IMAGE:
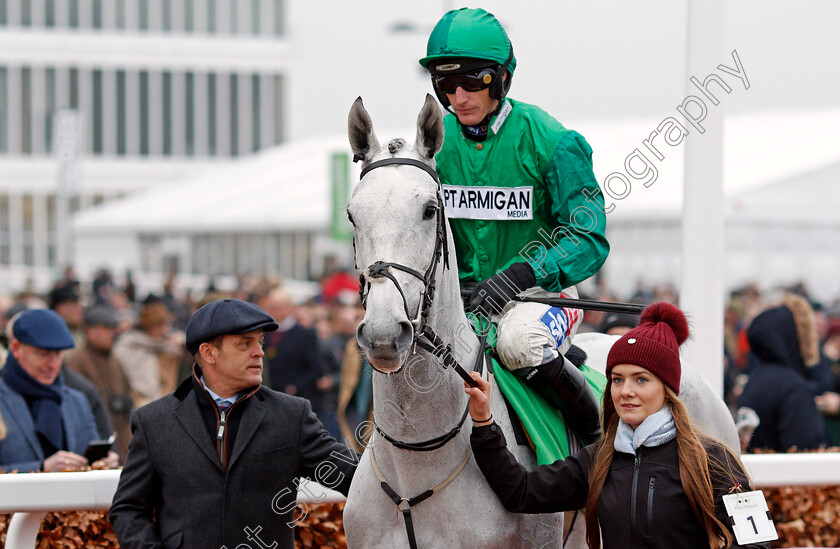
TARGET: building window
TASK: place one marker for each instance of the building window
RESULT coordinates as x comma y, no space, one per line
50,81
234,16
234,115
144,113
26,13
211,114
143,11
26,110
5,235
121,113
28,223
255,112
189,112
52,236
189,16
167,113
255,17
73,12
211,16
278,109
166,9
4,112
278,17
49,13
120,13
97,14
74,88
97,112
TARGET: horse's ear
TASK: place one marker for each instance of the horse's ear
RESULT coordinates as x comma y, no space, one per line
429,129
363,141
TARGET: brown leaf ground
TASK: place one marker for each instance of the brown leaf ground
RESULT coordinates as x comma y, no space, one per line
804,517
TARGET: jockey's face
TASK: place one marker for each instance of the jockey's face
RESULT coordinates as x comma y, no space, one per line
471,107
636,393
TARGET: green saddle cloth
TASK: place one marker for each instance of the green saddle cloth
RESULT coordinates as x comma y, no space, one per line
544,424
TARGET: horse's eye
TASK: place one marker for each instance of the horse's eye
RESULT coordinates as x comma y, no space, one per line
430,212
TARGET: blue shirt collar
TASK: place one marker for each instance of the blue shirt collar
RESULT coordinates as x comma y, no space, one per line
216,398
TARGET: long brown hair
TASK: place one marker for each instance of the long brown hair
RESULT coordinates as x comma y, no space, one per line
696,470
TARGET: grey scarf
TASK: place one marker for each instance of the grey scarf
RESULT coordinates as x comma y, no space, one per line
657,429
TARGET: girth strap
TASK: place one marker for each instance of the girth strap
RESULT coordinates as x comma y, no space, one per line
405,504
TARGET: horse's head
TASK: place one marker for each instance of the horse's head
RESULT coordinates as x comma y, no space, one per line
398,220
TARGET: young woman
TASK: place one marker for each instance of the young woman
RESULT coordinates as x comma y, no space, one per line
652,481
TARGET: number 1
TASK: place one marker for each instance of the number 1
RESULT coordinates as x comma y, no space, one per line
753,523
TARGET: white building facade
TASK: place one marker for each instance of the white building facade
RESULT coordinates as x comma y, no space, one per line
158,90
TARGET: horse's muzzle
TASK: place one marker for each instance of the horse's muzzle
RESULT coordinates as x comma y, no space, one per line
385,346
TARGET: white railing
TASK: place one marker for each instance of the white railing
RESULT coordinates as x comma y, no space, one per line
773,470
31,496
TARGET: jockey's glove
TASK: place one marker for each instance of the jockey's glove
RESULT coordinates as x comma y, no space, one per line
491,295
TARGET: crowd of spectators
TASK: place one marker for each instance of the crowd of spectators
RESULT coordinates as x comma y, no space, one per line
129,348
781,362
782,351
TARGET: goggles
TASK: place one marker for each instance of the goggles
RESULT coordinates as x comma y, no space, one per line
471,82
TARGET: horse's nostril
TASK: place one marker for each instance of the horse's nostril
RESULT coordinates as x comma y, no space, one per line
361,337
406,335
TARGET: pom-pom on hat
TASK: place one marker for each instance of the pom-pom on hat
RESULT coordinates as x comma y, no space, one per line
654,344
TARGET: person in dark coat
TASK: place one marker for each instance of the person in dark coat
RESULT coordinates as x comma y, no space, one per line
784,346
49,425
216,463
97,363
293,354
631,482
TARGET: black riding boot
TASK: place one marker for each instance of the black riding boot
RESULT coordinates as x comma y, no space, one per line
565,388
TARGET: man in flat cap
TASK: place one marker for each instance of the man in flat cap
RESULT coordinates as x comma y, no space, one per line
216,463
96,361
49,424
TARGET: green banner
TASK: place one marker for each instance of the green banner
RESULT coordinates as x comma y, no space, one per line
340,227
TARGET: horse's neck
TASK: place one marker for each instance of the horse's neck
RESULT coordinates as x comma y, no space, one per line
423,400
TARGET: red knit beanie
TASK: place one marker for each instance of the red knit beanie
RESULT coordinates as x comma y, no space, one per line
654,344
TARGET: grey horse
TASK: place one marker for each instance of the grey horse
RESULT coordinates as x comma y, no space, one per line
420,446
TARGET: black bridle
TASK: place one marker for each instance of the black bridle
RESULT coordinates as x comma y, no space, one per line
424,337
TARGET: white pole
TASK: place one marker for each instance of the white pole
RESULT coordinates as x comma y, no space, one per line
701,290
23,530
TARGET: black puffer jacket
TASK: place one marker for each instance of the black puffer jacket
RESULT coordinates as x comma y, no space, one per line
642,503
778,387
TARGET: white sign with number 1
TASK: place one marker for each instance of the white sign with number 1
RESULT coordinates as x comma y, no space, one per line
751,517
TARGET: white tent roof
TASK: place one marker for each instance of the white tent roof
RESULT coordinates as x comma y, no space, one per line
758,149
812,198
288,187
285,187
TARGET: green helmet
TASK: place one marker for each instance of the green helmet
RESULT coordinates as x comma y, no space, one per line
469,33
467,40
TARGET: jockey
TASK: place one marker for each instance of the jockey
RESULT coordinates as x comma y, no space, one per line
525,209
